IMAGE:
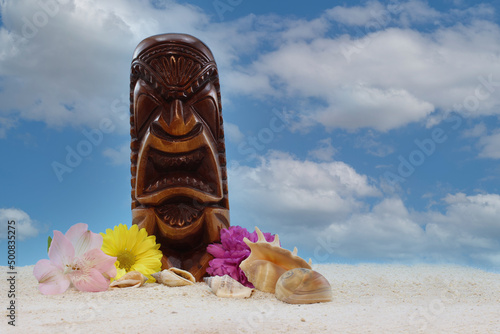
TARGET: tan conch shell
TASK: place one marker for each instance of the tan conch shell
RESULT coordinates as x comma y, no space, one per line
268,261
226,286
303,286
174,277
132,279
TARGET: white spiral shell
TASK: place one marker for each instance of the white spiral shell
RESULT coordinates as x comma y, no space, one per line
174,277
226,286
132,279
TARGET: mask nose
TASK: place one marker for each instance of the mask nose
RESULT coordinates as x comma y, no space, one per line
178,120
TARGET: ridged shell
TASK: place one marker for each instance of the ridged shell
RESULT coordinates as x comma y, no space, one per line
303,286
226,286
268,261
132,279
174,277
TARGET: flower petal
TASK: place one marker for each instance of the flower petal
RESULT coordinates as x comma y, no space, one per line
134,249
119,273
51,278
89,280
82,239
151,261
108,243
216,250
131,237
119,236
61,251
97,259
145,244
76,231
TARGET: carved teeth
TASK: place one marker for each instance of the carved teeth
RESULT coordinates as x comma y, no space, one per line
180,181
178,215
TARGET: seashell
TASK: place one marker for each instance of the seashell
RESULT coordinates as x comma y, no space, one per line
268,261
174,277
132,279
303,286
226,286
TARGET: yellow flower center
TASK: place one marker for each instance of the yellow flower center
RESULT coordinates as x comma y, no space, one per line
126,260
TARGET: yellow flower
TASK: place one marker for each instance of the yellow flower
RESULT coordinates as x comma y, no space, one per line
134,250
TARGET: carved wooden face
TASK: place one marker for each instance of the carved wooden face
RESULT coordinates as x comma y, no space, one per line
178,168
179,151
179,177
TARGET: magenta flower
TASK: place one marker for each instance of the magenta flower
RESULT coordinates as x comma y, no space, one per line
76,258
231,252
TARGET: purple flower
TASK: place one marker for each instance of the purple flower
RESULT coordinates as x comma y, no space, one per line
231,252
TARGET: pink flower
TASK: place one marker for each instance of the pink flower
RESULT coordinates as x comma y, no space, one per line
231,252
75,258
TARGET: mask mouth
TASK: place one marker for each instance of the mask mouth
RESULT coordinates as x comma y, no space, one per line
158,131
192,170
179,213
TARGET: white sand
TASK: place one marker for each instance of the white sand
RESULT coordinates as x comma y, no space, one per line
367,299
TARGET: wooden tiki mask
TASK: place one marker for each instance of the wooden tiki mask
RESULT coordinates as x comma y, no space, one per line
178,160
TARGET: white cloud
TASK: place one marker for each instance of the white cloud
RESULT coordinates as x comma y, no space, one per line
469,226
416,12
68,68
372,146
478,130
78,68
482,10
119,156
467,233
25,227
6,124
233,133
324,152
374,15
490,146
387,78
80,57
386,232
361,106
356,15
254,83
324,209
304,30
294,190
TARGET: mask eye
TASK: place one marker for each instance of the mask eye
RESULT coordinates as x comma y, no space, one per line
145,107
207,110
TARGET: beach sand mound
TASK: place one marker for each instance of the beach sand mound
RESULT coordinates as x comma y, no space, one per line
366,299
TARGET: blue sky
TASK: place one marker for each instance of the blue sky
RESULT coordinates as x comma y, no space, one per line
357,131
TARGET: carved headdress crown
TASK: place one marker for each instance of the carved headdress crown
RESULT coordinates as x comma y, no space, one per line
174,62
